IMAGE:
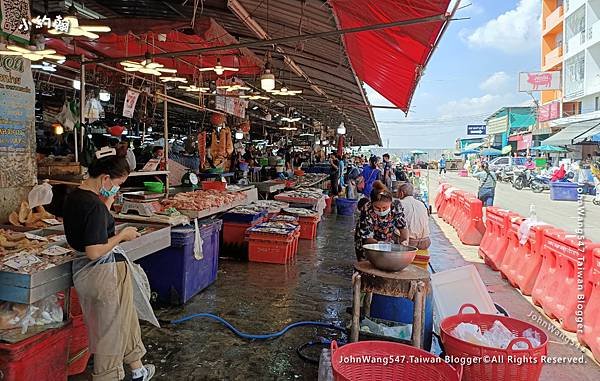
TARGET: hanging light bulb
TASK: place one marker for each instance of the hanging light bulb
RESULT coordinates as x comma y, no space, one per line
77,84
239,135
104,95
267,79
341,130
317,142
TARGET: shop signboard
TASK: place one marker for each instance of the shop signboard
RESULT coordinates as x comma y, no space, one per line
525,142
538,81
476,129
230,104
12,14
17,102
549,111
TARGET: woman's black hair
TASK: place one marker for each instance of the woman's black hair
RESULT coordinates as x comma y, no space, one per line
361,203
155,149
113,166
373,161
485,167
380,192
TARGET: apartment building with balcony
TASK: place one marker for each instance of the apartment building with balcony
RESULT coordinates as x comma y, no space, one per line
552,43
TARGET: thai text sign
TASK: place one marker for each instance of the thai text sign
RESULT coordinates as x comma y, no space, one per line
476,129
537,81
17,102
549,111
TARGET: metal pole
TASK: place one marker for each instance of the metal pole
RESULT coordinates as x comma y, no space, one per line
81,106
166,133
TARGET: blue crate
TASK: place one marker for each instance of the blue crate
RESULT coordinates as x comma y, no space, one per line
175,275
563,191
243,218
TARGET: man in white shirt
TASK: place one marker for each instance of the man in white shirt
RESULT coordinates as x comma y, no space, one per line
417,222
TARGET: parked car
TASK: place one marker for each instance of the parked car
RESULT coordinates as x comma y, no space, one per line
506,162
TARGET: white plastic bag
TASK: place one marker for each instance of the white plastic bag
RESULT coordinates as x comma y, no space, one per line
198,243
41,194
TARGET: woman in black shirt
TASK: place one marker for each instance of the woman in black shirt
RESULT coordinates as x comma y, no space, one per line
105,289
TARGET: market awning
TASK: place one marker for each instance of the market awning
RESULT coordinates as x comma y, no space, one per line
392,60
472,146
588,134
570,135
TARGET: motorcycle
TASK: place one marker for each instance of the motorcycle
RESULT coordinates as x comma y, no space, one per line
504,175
540,184
521,179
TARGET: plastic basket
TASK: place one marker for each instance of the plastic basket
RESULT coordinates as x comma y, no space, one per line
308,227
242,217
388,361
345,206
505,365
563,191
271,248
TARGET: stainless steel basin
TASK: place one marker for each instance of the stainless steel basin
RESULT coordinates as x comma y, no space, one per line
390,257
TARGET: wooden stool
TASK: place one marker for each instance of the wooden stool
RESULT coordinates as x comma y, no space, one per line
412,283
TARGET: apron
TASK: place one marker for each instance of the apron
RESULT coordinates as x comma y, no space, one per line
97,286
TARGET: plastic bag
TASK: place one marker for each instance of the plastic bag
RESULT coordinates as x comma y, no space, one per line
198,254
45,311
66,118
40,195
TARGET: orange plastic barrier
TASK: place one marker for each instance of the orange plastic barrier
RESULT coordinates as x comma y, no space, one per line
471,228
453,207
461,215
440,198
495,240
512,249
524,271
591,315
560,281
442,210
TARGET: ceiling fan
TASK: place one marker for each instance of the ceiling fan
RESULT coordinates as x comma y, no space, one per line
70,26
284,91
173,79
31,53
235,87
253,96
194,89
219,69
147,66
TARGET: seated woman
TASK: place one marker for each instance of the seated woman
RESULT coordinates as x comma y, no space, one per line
382,220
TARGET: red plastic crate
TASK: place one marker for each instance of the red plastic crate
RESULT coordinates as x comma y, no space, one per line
40,357
79,352
308,227
270,248
214,185
234,233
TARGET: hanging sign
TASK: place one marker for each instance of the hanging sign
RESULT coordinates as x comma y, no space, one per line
17,102
12,14
544,80
476,129
130,102
230,104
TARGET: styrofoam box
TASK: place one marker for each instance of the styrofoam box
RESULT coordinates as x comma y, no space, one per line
453,288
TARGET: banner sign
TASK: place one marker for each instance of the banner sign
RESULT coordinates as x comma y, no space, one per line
130,102
231,105
17,102
537,81
12,13
476,129
549,111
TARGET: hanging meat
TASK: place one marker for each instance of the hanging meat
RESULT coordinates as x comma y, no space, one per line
202,148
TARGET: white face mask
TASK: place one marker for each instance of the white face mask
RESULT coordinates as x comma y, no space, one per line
383,213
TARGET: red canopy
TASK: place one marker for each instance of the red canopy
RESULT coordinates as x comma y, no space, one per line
390,60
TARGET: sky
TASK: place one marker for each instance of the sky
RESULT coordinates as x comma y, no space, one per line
473,73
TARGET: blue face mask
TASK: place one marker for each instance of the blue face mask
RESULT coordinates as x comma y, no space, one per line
109,193
383,213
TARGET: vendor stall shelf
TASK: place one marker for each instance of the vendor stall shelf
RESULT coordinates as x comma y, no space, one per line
251,196
154,237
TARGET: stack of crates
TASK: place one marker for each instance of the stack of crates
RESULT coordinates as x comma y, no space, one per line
308,221
235,225
273,242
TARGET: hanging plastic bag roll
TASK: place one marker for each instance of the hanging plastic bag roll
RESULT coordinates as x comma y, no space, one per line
41,194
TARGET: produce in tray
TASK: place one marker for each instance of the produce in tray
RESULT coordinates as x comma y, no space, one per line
301,193
247,209
271,205
202,200
13,242
301,212
284,218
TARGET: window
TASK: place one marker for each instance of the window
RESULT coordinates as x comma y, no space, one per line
597,104
574,75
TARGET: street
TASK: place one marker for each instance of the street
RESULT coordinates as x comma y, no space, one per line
562,214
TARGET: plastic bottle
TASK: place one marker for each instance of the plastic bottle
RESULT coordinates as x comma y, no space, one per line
532,213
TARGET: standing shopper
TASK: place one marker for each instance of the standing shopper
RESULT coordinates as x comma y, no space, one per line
334,174
442,164
417,222
382,220
107,283
487,184
343,165
369,175
387,171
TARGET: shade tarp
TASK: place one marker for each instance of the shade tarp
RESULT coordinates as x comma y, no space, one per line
571,133
390,60
472,146
589,134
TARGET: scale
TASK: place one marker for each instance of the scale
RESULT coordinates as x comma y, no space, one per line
141,203
190,179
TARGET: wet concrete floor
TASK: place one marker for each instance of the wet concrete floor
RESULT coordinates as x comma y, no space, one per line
263,298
